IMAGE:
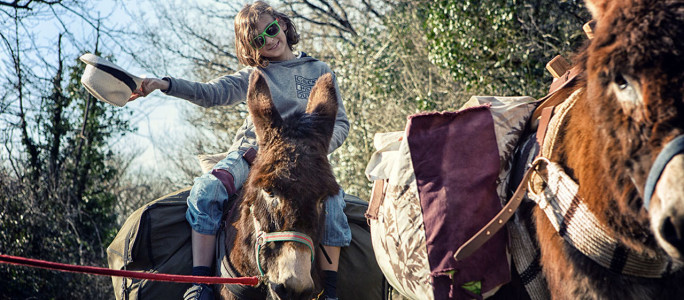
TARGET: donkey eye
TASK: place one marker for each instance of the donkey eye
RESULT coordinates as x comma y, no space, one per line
621,82
626,90
270,197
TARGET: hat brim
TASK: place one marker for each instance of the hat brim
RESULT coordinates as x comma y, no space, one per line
107,81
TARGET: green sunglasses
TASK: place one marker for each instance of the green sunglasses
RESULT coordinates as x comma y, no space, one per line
271,30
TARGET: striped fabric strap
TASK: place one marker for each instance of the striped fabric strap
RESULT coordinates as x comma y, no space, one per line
576,223
281,236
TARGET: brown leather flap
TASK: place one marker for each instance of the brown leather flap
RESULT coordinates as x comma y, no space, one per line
377,197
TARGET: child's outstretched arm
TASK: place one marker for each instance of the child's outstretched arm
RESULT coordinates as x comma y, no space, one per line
148,86
224,90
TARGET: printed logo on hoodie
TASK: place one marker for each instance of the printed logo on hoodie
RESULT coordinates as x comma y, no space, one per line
304,86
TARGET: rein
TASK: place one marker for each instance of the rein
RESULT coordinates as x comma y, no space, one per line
36,263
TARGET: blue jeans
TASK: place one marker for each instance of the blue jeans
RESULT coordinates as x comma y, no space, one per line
336,232
208,196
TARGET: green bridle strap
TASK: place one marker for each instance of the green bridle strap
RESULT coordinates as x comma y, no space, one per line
281,236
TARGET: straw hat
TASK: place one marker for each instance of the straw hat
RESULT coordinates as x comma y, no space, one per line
107,81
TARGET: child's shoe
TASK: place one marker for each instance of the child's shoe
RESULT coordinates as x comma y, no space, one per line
199,292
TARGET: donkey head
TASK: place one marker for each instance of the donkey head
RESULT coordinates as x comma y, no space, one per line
290,179
635,77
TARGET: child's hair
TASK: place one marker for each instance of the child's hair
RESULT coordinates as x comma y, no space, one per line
245,30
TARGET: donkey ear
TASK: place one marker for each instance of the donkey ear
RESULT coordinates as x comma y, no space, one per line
261,108
323,103
597,7
323,97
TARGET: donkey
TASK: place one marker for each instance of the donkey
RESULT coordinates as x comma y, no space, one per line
621,141
281,208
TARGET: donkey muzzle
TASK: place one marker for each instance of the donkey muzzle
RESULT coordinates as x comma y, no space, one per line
283,292
292,277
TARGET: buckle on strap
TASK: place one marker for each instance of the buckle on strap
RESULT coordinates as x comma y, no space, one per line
281,236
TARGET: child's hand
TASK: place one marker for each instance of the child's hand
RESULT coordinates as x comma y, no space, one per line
148,86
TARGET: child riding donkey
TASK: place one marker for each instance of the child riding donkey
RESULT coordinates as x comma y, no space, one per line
264,41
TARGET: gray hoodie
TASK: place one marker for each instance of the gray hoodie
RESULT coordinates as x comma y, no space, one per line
289,81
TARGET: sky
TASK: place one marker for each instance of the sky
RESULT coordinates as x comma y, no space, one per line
157,116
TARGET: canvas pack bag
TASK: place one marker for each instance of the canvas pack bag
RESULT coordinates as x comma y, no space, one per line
156,238
435,185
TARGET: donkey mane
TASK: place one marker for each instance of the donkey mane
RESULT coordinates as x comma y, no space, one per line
298,158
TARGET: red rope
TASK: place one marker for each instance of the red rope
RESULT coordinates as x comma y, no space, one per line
15,260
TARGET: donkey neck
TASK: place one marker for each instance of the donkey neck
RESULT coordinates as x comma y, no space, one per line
234,257
242,249
587,150
592,199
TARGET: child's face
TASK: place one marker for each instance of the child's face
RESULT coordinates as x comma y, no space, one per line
275,48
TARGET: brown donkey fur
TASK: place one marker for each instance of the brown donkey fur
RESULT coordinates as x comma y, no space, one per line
630,106
285,190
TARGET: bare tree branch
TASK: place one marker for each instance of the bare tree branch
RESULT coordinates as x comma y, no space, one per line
329,11
27,4
370,8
